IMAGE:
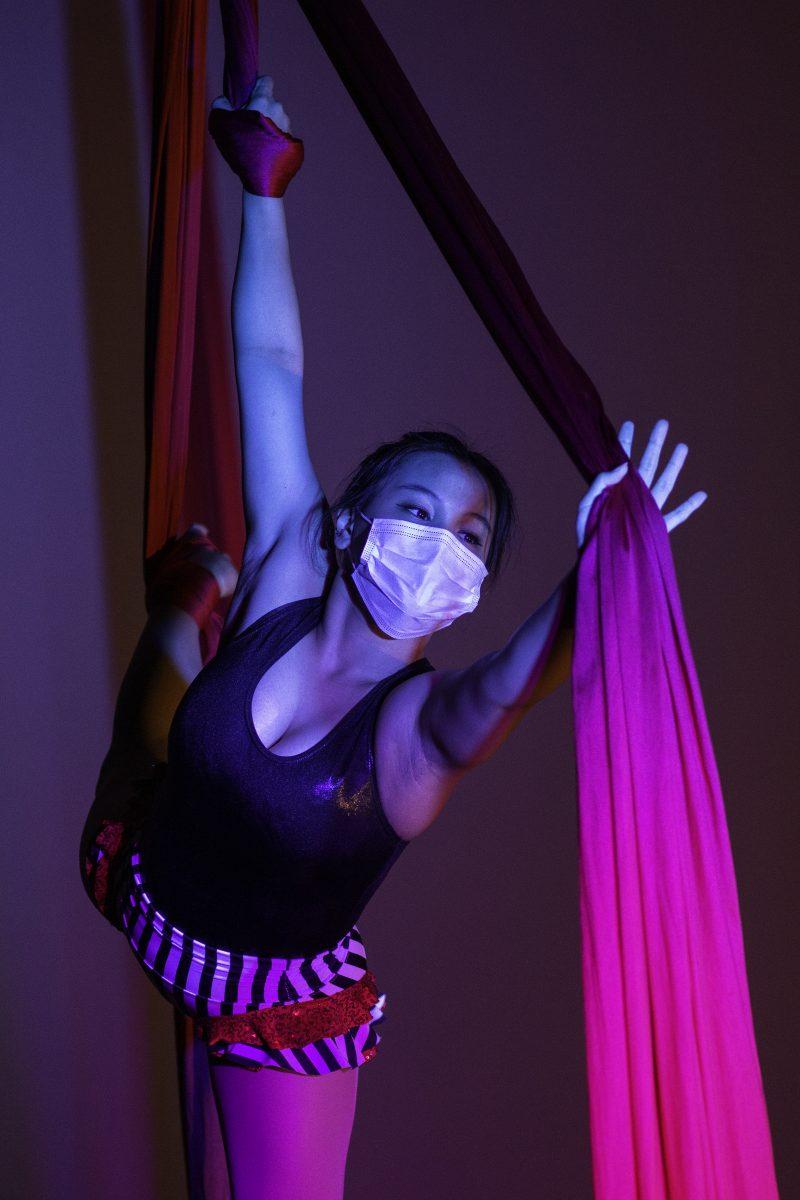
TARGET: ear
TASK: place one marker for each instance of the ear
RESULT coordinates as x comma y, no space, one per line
343,528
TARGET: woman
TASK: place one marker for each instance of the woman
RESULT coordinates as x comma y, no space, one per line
319,741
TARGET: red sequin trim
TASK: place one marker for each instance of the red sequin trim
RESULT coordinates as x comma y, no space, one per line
113,836
109,839
288,1026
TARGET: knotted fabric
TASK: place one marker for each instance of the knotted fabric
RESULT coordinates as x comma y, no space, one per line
263,156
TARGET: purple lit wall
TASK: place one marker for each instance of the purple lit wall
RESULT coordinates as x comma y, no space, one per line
640,163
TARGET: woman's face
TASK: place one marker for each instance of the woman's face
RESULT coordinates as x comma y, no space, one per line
431,488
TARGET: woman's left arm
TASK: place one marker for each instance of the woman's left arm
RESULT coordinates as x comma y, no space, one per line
467,713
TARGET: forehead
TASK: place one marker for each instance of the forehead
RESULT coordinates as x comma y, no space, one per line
455,482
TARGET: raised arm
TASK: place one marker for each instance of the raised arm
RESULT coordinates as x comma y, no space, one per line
280,488
278,479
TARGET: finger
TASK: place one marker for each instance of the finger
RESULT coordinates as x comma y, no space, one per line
280,118
600,483
666,480
263,86
647,467
679,514
221,102
603,480
625,436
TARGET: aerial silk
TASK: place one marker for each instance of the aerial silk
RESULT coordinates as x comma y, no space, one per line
677,1107
192,459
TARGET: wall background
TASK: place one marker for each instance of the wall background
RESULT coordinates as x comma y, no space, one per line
641,163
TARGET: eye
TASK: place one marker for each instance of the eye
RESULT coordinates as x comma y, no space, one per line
416,508
474,540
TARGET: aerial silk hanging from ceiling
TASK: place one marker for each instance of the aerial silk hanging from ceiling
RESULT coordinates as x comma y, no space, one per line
676,1102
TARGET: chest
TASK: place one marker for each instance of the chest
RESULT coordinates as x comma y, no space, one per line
294,704
264,725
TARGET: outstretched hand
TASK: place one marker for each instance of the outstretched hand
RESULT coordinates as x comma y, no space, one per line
647,469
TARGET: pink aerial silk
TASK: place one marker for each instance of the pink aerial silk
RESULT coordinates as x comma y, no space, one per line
676,1100
677,1108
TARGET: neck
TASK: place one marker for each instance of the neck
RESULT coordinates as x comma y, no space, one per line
346,635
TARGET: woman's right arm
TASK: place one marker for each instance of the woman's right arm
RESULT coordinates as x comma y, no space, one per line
279,481
280,487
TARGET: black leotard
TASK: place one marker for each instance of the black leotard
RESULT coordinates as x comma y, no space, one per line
259,852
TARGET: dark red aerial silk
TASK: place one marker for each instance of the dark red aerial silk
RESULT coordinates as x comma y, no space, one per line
677,1108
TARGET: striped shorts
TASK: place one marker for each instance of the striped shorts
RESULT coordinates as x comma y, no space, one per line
208,981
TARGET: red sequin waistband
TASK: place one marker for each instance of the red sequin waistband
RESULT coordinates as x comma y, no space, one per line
287,1026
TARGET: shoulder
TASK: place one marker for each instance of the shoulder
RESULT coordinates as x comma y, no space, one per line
414,783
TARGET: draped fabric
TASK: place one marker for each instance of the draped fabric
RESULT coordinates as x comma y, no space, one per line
677,1109
192,463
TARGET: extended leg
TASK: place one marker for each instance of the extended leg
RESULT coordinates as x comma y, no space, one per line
166,659
184,579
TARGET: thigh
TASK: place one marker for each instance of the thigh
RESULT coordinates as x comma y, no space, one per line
115,792
124,796
285,1135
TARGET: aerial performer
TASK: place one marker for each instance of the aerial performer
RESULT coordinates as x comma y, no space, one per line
252,802
319,741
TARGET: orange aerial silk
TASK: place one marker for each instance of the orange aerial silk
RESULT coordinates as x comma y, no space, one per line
192,456
677,1110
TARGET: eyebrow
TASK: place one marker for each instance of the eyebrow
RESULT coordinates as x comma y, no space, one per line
419,487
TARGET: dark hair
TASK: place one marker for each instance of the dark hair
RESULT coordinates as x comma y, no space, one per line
373,470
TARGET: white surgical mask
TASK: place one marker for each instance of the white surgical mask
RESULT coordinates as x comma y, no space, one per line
415,579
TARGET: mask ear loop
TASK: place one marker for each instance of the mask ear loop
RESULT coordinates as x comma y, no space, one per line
371,521
353,563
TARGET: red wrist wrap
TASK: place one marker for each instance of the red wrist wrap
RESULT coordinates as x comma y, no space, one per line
263,156
172,578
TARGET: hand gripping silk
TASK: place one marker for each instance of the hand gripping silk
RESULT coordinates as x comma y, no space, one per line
677,1108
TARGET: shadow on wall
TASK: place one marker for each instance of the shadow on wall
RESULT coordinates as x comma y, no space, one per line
101,49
